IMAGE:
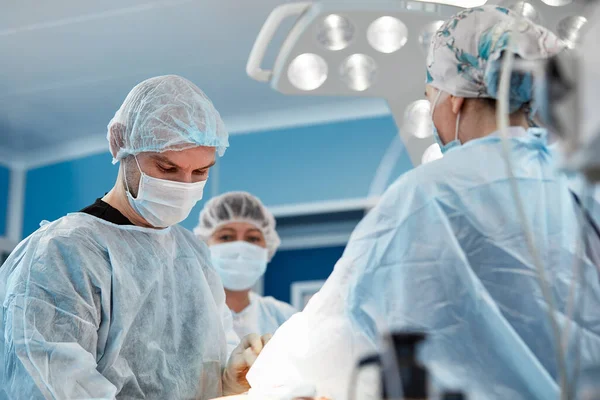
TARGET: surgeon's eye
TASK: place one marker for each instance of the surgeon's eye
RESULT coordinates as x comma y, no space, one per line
226,237
253,239
167,170
201,173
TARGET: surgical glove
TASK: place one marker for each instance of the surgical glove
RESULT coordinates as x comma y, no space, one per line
242,358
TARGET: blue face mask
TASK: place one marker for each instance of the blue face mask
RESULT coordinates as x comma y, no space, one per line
450,145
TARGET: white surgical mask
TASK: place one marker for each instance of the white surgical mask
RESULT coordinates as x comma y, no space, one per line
239,264
164,203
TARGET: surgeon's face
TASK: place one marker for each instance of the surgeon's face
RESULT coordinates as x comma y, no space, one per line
188,166
238,231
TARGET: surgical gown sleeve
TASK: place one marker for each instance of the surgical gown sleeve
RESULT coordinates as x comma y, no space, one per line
52,311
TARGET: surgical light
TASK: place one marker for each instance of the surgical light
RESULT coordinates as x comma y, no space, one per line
335,33
358,49
358,72
387,34
427,33
432,153
569,30
417,119
557,3
526,10
307,71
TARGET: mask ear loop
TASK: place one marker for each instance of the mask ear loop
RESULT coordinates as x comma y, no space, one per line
456,129
437,97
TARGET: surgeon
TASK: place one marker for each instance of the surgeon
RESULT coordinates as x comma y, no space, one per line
445,250
117,301
242,238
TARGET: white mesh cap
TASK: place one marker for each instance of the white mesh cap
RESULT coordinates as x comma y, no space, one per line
162,114
238,207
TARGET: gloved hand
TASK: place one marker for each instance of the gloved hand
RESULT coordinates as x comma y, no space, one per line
242,358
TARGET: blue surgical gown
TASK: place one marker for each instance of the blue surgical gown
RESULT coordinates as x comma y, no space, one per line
97,310
263,315
444,252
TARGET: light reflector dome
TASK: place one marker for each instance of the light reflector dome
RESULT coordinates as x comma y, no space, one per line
569,30
335,33
432,153
308,71
417,119
358,72
525,9
557,3
387,34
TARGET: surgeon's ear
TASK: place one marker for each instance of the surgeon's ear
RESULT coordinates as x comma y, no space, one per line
457,103
117,138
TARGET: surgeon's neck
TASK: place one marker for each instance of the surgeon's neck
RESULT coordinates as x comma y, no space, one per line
117,198
483,122
237,301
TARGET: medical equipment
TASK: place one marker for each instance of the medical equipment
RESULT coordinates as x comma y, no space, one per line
453,396
354,49
402,376
569,94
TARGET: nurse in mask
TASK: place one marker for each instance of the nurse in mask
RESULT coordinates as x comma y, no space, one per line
242,239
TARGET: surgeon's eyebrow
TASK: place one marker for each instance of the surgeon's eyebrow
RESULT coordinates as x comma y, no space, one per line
163,159
212,164
223,230
169,163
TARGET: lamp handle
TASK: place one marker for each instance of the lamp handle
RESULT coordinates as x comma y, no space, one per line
280,13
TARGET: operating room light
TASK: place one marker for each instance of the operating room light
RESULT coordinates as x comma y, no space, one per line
387,34
307,71
526,10
557,3
417,119
569,30
358,72
354,49
432,153
335,33
427,33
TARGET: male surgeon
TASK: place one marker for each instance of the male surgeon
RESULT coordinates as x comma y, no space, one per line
117,301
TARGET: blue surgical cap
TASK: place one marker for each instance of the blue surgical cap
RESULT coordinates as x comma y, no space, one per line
465,53
162,114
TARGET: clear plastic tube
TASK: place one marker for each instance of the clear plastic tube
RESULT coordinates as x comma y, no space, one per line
503,121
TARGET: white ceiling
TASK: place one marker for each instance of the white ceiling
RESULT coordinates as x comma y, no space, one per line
66,65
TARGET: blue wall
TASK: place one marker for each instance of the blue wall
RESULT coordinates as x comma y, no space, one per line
55,190
331,161
324,162
4,187
289,266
